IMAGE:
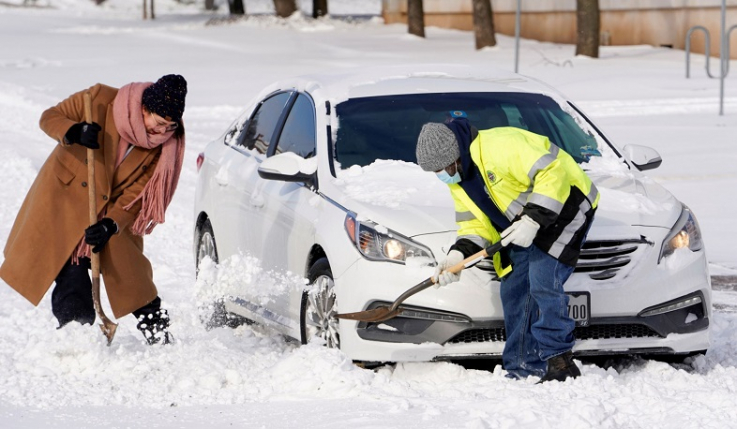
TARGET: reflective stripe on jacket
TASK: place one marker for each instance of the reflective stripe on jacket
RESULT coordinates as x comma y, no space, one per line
473,223
526,174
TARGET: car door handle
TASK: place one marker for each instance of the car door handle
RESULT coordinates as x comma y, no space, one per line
256,201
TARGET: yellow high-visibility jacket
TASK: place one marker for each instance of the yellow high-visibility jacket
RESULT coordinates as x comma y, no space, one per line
473,223
525,174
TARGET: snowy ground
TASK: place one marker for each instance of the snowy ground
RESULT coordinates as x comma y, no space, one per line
251,378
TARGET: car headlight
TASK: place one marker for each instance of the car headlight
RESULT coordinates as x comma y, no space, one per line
684,234
377,243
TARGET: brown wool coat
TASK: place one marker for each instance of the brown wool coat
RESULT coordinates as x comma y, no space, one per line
55,213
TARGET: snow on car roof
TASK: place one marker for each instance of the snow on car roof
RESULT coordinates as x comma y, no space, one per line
342,84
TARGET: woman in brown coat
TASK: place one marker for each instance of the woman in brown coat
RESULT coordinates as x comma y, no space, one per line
138,136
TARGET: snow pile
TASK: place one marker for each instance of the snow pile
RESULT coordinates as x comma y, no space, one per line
243,275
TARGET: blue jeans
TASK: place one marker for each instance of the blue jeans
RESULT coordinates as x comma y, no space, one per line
535,311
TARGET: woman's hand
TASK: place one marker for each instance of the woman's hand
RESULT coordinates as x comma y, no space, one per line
98,234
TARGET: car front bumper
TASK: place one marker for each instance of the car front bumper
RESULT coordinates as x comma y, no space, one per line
667,313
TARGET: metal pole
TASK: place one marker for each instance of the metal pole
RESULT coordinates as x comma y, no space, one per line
516,36
723,56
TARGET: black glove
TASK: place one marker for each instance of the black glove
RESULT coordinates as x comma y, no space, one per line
98,234
84,134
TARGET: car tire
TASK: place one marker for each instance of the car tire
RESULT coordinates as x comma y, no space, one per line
319,306
206,245
218,317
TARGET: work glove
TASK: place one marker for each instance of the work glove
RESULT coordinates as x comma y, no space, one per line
84,134
444,278
521,233
98,234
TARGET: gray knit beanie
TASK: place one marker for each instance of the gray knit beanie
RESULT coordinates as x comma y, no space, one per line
437,147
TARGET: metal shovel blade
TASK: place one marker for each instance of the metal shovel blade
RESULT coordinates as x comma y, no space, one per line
378,314
109,330
386,312
107,326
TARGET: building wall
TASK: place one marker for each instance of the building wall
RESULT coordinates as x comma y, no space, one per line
623,22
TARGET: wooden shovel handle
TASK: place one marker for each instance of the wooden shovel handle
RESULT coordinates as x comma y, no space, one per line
107,326
455,269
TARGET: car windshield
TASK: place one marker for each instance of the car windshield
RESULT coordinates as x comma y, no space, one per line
387,127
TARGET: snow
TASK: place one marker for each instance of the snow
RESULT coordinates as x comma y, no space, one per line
250,377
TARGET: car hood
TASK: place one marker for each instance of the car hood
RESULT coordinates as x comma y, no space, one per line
400,196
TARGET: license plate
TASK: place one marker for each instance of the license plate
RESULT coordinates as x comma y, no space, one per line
579,304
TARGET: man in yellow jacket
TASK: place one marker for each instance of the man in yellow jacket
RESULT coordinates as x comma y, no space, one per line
511,180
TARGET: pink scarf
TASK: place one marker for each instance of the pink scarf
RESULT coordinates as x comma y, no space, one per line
159,191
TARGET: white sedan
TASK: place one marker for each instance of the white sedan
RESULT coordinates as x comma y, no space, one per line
317,179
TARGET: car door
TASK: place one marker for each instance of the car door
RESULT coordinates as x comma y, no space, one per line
241,219
288,225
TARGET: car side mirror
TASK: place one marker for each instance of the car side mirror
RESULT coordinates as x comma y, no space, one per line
289,167
643,157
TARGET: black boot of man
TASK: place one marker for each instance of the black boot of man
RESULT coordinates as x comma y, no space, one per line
153,322
560,368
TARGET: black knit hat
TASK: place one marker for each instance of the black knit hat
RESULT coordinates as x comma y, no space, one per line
166,97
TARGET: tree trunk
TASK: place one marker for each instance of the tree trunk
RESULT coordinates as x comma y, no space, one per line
209,4
483,24
152,10
415,18
319,8
285,8
236,7
589,25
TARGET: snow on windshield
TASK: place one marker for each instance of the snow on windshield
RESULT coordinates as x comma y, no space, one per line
393,184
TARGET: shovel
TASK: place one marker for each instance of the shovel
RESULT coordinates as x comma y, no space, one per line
107,326
386,312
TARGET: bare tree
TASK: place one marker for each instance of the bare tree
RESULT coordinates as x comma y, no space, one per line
589,26
285,8
415,18
483,24
145,10
319,8
236,7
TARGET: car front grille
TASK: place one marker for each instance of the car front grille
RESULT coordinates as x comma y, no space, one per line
592,332
601,260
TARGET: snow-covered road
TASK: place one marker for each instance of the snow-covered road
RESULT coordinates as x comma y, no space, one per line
251,378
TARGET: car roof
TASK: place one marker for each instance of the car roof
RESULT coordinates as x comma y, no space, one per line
342,84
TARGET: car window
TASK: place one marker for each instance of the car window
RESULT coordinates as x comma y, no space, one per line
260,128
387,127
569,139
298,134
514,117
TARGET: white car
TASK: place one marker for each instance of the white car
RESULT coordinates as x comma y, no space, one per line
317,179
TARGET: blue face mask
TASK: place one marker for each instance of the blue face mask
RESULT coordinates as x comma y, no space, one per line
447,178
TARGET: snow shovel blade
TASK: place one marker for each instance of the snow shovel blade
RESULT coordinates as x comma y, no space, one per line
109,330
108,327
378,314
386,312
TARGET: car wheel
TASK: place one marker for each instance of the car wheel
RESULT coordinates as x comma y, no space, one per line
206,245
216,316
319,306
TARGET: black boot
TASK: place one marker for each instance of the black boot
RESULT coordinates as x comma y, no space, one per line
153,322
560,368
